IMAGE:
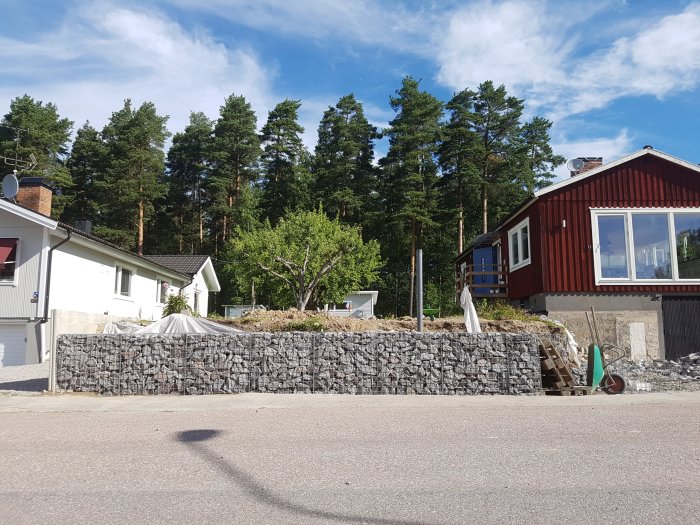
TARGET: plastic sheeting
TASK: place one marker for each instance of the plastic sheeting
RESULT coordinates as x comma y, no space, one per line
471,321
120,327
185,324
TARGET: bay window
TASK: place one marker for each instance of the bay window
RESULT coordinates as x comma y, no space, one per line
646,245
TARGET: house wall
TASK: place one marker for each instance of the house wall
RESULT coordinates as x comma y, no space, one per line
632,321
18,301
567,252
527,280
83,281
198,286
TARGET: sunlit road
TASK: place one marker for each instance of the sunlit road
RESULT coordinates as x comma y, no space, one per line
340,459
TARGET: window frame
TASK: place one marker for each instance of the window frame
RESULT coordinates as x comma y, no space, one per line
14,280
632,279
516,231
118,278
160,295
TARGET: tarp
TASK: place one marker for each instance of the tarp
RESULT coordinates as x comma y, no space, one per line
185,324
120,327
471,321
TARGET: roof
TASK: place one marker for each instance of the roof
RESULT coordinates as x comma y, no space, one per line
578,178
42,220
187,264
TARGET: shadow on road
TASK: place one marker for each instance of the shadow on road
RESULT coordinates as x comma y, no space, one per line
194,439
28,385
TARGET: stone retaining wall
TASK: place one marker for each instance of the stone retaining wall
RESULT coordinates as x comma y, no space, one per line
290,362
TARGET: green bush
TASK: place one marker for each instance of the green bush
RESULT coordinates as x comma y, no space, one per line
310,324
176,304
499,310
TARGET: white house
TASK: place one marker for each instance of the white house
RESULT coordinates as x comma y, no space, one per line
56,279
201,272
357,304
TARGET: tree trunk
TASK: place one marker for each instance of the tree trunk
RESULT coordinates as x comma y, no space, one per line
139,244
484,205
460,230
413,265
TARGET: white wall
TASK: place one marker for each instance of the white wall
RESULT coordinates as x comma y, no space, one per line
199,287
83,281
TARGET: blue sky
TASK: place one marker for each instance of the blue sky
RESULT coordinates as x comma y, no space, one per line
611,75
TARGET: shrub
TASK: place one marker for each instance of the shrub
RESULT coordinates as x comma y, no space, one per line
310,324
176,304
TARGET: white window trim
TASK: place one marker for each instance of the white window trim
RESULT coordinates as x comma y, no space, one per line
629,236
117,267
516,231
15,279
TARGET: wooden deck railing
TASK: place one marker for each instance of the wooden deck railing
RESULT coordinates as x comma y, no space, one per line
495,275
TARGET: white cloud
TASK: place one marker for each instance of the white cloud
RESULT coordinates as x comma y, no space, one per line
544,54
104,54
610,148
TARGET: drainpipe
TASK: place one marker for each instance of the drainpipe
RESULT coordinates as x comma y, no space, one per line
45,319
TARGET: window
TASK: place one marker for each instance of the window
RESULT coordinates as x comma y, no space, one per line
519,242
8,260
196,302
122,281
636,245
162,291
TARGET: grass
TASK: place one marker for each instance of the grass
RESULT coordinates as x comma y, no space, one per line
310,324
501,310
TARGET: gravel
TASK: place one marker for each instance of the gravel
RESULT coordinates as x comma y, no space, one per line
25,379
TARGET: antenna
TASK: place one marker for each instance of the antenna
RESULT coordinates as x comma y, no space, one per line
17,163
575,165
10,186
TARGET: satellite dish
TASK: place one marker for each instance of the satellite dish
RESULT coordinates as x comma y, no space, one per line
10,186
575,165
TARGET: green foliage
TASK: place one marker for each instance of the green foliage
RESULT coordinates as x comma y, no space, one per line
134,140
346,180
86,164
310,324
181,228
286,175
499,310
234,154
306,257
43,133
176,304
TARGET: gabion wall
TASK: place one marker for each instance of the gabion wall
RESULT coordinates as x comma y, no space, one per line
290,362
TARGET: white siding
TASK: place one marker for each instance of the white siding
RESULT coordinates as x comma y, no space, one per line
16,299
199,287
83,281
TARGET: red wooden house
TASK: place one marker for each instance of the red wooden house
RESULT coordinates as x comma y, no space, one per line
622,237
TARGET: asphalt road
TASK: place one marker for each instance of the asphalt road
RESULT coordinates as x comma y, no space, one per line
299,459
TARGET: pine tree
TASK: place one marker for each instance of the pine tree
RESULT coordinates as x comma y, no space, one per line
134,141
286,178
186,174
86,164
34,128
410,169
234,154
346,180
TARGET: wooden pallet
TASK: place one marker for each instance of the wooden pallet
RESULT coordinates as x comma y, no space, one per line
568,391
556,375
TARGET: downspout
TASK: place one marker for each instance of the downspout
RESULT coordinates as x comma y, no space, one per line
45,319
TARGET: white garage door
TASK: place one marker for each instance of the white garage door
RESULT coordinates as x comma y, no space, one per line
13,345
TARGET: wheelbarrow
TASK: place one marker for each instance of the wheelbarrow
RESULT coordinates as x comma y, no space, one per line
598,374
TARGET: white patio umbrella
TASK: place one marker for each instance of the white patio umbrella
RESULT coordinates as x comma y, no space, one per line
471,321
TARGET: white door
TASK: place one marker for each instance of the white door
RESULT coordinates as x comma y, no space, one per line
13,344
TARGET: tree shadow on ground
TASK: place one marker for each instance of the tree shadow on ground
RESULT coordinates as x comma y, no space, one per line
194,439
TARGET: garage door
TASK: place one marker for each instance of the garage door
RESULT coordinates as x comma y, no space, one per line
13,344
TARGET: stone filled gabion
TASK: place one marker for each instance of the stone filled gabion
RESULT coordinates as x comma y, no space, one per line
291,362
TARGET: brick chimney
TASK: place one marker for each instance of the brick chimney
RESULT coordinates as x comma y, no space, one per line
35,193
588,163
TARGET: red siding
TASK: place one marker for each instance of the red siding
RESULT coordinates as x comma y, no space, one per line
527,280
562,258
